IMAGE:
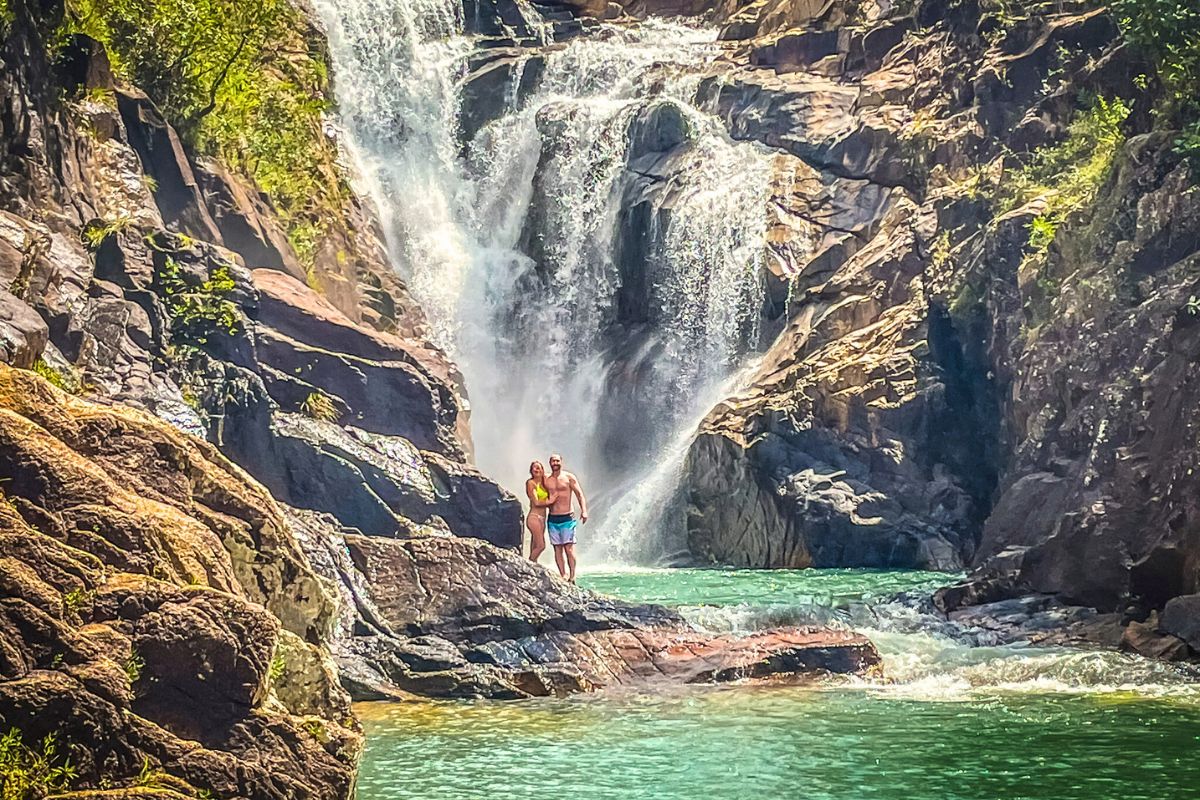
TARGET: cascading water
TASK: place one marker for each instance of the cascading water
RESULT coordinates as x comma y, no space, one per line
592,257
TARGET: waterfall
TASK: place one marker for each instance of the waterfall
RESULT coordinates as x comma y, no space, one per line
592,257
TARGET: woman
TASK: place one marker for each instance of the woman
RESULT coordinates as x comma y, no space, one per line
540,500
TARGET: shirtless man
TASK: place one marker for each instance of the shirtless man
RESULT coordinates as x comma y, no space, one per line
563,487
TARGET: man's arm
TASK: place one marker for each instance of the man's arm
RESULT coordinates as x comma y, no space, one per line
578,490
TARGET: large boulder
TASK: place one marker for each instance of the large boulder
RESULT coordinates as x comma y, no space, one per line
1181,618
449,617
145,583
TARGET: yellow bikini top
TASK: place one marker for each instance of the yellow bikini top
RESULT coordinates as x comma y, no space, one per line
540,492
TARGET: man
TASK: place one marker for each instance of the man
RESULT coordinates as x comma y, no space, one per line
560,525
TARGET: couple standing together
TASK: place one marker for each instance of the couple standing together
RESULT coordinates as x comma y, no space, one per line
551,499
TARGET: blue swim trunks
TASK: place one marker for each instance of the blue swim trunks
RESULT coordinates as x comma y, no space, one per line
561,528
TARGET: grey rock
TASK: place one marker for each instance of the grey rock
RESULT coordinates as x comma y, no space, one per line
1181,618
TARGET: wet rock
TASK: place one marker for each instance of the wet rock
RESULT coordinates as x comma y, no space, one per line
1181,618
1145,638
450,617
497,86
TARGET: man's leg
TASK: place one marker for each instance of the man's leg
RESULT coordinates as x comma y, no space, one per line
558,559
570,551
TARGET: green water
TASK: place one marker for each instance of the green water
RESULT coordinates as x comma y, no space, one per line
949,722
760,588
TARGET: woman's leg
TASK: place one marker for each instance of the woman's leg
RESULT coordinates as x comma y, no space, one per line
537,536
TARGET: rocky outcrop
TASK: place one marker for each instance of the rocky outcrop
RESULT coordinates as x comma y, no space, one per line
949,391
872,433
451,617
133,294
155,602
157,614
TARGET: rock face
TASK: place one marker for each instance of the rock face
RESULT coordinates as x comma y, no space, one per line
157,613
302,389
451,617
148,587
948,391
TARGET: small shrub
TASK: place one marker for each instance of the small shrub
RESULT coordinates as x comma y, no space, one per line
316,729
75,600
1041,233
149,777
32,772
201,310
318,405
96,232
1068,175
278,667
7,18
133,667
67,381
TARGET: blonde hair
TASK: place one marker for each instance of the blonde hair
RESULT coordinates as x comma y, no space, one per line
533,464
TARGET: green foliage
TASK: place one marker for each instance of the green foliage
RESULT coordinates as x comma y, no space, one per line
97,231
1067,176
1168,31
1041,232
238,80
150,777
278,667
67,381
27,773
1188,146
197,311
75,600
7,18
133,667
316,729
318,405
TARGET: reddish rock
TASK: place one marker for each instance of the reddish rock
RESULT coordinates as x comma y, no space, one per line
447,617
1144,638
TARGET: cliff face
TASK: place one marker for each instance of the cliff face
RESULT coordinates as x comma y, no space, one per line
994,372
161,621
